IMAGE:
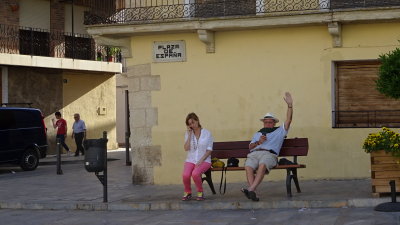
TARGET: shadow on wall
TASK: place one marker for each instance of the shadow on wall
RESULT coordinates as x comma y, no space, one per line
51,89
42,87
98,128
69,92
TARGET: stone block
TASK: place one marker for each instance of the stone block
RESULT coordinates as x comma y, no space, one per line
150,83
139,70
133,84
138,118
152,155
147,156
151,117
142,175
140,137
141,99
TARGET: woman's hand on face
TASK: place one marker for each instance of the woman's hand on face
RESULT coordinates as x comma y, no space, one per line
189,129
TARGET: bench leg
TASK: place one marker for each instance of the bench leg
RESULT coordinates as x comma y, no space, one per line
288,182
209,180
296,181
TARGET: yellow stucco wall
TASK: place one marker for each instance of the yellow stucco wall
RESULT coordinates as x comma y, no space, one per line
247,77
83,94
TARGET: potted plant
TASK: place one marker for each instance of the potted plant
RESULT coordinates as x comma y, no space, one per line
99,56
384,149
111,53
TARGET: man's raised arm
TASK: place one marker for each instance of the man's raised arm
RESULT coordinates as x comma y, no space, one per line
289,101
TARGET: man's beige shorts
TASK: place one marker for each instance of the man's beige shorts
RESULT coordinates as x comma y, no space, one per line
254,159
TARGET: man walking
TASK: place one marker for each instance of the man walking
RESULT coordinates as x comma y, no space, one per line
79,133
61,126
265,147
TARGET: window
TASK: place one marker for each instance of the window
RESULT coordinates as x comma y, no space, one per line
78,48
33,42
7,120
357,103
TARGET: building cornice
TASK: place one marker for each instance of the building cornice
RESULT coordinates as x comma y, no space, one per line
332,19
247,23
59,63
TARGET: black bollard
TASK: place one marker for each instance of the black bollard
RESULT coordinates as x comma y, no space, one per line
127,129
59,170
105,192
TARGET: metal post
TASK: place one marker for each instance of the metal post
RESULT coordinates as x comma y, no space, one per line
392,184
72,28
127,128
31,41
105,197
59,170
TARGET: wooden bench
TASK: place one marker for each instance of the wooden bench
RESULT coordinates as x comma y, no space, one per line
239,149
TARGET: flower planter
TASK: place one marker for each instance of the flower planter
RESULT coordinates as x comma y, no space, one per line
384,167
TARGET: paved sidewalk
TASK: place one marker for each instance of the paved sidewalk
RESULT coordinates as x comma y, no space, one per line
78,189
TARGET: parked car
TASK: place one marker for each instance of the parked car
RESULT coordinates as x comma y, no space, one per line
23,136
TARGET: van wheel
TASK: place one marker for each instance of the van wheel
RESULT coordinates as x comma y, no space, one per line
29,160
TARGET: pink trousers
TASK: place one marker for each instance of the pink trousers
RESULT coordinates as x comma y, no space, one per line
190,170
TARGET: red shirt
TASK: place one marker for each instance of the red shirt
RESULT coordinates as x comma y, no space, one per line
61,124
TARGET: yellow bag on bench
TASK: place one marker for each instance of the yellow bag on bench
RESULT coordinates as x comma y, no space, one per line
216,163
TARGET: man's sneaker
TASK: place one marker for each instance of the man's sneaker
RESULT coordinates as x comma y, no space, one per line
200,196
186,196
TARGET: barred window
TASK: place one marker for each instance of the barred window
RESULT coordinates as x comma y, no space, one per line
34,42
357,103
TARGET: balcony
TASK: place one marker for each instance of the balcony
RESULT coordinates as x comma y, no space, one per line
152,11
53,43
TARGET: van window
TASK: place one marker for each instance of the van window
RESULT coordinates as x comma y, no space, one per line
27,118
7,120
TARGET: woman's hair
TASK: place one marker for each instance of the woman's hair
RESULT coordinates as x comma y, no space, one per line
192,116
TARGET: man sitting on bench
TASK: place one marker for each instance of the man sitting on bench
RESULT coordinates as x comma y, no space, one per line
265,147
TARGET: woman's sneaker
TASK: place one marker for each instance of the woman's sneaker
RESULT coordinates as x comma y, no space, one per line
200,196
186,196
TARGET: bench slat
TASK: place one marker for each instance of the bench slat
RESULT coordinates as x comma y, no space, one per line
293,151
240,149
230,145
295,142
276,167
226,154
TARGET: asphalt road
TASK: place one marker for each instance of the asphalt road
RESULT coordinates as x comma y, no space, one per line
324,216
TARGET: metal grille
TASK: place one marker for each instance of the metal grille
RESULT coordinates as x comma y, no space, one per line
139,11
53,43
363,119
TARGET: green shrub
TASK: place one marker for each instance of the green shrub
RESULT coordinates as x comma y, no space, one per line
388,82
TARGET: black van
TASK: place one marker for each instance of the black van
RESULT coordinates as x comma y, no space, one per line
23,137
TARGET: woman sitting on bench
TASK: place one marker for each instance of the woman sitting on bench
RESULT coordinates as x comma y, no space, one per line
198,144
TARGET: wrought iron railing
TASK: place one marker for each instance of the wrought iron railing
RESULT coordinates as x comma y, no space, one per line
139,11
363,119
53,43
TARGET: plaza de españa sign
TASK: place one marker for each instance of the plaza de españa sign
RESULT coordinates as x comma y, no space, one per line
169,51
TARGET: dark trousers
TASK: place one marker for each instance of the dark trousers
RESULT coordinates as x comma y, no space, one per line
79,143
62,141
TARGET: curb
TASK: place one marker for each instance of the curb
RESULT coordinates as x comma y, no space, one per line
147,206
